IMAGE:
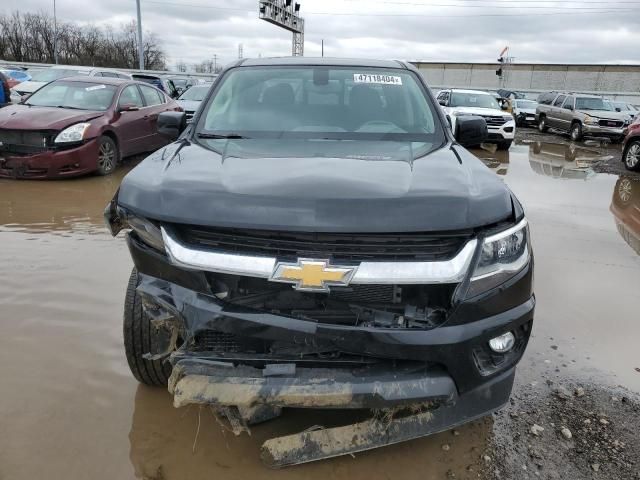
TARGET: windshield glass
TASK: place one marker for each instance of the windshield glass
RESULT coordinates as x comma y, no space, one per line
74,95
331,103
195,94
587,103
526,104
477,100
52,74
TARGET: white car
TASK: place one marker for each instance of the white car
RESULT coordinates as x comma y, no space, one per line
42,77
501,124
524,111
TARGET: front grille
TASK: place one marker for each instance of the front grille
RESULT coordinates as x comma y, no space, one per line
494,121
25,142
611,123
346,247
214,341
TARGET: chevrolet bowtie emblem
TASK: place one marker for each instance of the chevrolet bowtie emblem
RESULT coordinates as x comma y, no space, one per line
312,275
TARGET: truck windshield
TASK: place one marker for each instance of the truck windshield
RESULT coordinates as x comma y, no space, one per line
331,103
587,103
477,100
195,94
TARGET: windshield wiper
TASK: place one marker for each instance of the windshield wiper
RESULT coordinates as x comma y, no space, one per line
72,108
232,136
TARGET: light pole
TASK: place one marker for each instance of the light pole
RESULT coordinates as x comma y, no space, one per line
55,34
140,46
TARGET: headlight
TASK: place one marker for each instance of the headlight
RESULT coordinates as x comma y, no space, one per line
590,120
148,232
503,256
73,134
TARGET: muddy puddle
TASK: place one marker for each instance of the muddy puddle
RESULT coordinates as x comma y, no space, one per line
70,409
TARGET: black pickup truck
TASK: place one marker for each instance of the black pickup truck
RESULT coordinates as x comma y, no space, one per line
317,238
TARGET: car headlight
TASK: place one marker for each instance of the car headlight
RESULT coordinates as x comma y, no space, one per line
590,120
503,255
148,231
73,134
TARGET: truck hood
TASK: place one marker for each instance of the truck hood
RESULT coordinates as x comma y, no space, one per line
605,114
306,186
24,117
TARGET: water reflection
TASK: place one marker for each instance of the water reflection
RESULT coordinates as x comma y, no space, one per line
497,161
561,160
625,206
168,443
61,206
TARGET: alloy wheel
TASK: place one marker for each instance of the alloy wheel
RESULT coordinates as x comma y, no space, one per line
633,155
107,156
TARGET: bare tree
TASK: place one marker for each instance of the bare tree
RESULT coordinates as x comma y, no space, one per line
30,37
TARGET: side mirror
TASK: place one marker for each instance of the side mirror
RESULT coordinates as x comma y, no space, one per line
171,124
442,102
128,107
24,97
471,130
618,109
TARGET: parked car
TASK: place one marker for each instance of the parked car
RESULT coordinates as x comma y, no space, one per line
80,125
42,77
160,82
524,112
580,115
4,90
191,99
631,147
182,84
501,125
15,77
626,108
318,238
625,207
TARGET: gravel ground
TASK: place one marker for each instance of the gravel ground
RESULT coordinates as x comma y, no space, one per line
566,431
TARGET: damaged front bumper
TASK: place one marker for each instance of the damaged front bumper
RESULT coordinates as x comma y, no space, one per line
240,360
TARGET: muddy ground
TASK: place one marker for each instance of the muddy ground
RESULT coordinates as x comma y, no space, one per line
70,409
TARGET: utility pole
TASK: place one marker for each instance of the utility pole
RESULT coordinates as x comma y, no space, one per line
240,51
323,47
215,63
55,34
285,14
140,46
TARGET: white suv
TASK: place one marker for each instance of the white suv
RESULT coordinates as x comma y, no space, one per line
501,125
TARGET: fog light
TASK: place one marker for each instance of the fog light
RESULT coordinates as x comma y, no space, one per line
503,343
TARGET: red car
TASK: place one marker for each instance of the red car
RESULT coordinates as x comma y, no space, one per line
75,126
631,148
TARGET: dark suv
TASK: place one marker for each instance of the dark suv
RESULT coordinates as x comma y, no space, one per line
317,238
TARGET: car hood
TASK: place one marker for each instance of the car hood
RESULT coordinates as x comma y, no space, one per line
605,114
28,87
24,117
478,111
528,111
189,105
306,186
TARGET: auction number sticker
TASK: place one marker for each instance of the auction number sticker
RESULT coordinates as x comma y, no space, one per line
95,87
378,79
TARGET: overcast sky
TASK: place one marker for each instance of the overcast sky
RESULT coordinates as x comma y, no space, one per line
430,30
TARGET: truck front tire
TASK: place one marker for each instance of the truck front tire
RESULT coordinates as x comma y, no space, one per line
140,337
